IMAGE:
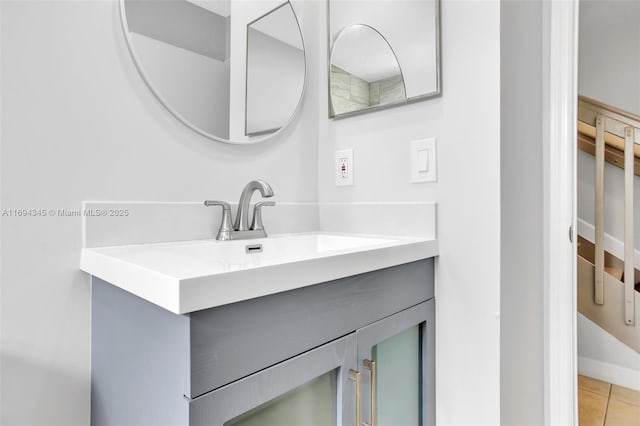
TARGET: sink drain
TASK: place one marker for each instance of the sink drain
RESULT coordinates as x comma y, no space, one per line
253,248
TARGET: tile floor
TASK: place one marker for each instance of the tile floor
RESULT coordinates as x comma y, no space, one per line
603,404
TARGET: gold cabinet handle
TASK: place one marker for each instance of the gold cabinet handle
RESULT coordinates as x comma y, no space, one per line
371,366
355,376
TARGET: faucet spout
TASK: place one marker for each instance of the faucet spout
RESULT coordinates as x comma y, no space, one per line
242,217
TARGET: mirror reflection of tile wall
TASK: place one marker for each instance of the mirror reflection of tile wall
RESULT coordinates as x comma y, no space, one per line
350,93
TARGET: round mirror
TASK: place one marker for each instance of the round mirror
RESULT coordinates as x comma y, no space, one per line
364,73
232,70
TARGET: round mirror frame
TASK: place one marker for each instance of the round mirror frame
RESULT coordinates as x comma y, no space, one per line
176,114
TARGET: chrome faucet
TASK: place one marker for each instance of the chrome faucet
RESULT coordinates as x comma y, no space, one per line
241,229
242,217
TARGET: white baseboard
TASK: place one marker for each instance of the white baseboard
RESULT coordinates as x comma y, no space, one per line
611,373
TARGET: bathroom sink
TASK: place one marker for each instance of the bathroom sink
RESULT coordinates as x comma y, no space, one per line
188,276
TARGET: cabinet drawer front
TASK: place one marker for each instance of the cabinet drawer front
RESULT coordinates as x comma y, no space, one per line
234,341
252,393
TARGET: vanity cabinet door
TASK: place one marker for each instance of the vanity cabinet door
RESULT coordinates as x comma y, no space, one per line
396,359
311,389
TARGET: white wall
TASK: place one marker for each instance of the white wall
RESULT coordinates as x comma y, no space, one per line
466,123
609,52
609,71
78,123
521,293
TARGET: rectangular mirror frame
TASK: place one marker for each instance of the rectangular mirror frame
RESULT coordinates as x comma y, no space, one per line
434,94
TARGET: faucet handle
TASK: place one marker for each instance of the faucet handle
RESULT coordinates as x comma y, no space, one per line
224,233
224,204
256,224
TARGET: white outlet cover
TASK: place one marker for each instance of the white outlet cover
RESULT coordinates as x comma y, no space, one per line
343,165
423,160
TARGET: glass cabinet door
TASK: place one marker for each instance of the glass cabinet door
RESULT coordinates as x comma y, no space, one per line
396,359
311,389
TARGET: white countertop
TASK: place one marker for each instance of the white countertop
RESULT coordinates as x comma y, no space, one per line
188,276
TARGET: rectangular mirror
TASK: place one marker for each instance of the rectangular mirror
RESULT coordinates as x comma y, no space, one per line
382,54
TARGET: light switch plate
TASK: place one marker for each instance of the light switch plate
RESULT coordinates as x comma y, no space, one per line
344,167
423,160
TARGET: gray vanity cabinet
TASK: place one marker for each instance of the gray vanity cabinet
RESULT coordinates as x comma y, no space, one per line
306,353
321,387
